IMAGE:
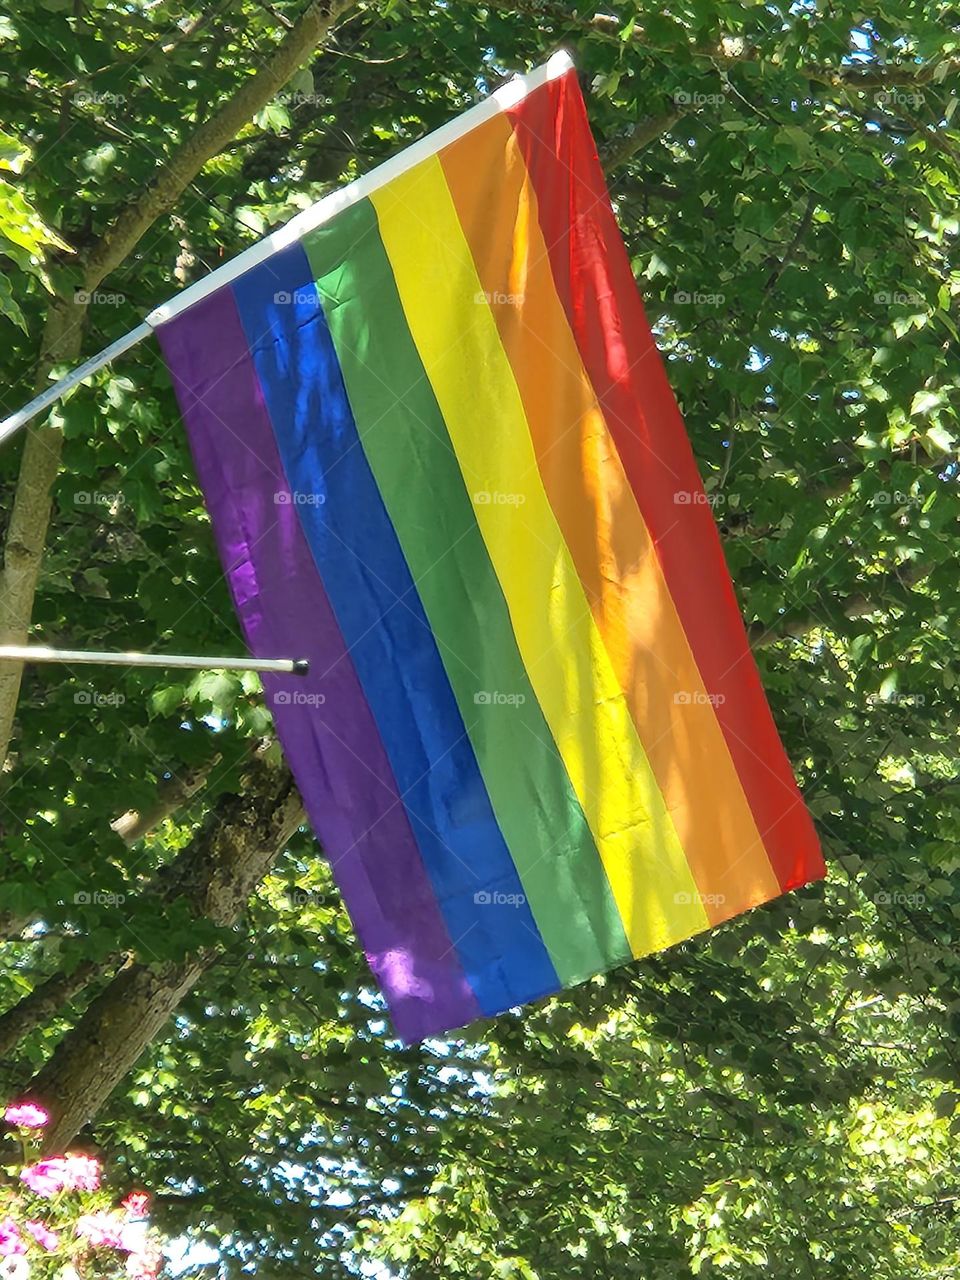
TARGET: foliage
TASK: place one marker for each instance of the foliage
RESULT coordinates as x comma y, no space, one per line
777,1097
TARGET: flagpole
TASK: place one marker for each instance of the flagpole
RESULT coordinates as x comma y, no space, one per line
502,99
39,653
73,379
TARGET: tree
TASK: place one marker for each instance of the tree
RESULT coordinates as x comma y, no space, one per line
779,1095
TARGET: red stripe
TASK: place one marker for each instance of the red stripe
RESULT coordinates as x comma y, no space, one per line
595,282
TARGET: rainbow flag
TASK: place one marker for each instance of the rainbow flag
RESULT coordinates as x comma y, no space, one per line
443,462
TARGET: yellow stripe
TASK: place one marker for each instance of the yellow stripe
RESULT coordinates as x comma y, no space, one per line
562,649
605,531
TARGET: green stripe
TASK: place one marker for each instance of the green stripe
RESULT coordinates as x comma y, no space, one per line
405,439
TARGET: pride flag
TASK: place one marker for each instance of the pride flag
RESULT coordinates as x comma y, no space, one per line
443,462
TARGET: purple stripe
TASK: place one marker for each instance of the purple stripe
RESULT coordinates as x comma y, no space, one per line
323,721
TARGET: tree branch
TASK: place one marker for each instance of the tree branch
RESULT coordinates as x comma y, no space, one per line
179,171
171,796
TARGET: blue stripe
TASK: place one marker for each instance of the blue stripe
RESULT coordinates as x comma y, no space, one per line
379,611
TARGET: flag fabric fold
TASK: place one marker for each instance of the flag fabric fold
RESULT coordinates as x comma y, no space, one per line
443,462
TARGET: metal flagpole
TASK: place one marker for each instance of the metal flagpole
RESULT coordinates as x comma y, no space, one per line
501,100
38,653
73,379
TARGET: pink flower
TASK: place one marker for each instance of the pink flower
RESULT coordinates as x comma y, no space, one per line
27,1115
101,1229
76,1173
46,1177
11,1241
137,1204
83,1172
43,1235
146,1265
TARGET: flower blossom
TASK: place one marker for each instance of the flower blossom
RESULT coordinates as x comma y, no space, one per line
101,1229
137,1204
26,1115
43,1235
45,1178
11,1241
146,1265
83,1172
75,1173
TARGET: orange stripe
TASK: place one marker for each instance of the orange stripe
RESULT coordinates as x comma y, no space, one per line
605,531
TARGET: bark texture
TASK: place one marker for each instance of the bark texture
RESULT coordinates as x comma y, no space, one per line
236,846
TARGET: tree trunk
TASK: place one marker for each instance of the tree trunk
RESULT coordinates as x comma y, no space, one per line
236,846
27,530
